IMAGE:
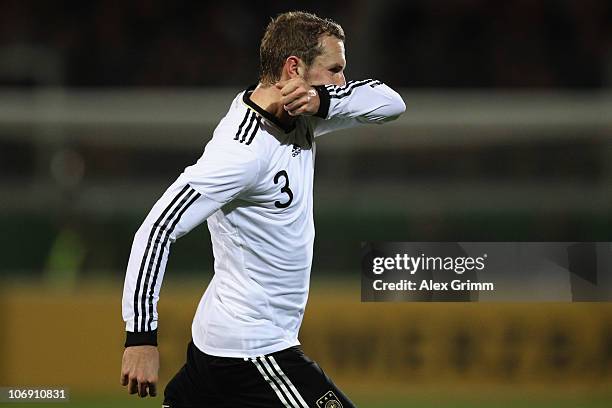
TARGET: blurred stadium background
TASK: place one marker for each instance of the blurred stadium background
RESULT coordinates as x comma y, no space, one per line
507,136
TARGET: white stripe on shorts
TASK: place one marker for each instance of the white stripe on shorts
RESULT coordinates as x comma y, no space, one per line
280,382
272,383
288,382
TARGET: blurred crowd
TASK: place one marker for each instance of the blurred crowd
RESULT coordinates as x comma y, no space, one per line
418,43
82,174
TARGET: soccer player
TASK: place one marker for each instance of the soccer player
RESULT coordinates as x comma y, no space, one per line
253,185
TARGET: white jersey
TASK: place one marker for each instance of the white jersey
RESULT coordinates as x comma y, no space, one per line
253,185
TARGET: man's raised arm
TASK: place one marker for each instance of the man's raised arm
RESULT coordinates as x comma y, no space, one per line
334,107
357,102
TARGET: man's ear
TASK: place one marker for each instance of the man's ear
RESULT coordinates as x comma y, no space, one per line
293,67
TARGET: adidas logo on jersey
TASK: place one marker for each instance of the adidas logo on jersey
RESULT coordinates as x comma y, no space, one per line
296,150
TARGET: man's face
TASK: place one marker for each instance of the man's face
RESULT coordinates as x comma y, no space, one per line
328,68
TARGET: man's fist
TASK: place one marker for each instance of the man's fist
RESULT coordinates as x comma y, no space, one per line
298,98
139,370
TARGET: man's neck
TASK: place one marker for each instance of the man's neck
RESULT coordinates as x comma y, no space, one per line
268,97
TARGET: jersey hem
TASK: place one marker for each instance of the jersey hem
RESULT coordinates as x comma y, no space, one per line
217,352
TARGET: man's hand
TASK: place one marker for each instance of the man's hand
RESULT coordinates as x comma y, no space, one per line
139,370
298,98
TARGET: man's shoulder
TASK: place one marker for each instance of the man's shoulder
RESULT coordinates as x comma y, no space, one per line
242,128
225,159
234,113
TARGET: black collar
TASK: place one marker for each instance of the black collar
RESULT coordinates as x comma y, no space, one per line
247,99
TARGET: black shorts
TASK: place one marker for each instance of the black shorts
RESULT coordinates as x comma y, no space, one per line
285,379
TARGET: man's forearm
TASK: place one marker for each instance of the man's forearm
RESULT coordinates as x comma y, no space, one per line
369,100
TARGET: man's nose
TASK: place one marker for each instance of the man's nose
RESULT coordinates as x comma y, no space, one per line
340,80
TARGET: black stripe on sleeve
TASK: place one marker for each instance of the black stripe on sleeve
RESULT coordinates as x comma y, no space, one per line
336,90
248,128
146,252
162,229
161,254
254,132
346,93
246,115
375,83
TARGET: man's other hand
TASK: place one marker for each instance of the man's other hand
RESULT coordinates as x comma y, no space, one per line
139,370
298,98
